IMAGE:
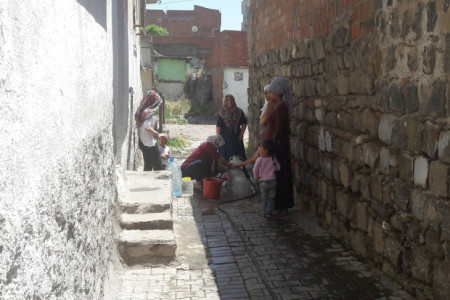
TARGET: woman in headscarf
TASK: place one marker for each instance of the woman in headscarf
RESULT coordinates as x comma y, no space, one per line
274,124
231,125
277,122
204,161
146,123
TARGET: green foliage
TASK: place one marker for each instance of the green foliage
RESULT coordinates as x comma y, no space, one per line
177,144
178,108
156,30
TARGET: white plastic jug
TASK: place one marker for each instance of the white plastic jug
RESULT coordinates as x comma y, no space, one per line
235,159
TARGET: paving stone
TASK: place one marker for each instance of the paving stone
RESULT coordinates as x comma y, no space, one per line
250,258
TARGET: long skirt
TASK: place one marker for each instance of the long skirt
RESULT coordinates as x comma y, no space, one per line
285,195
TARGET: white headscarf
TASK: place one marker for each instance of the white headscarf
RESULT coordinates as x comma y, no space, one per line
263,109
216,140
279,86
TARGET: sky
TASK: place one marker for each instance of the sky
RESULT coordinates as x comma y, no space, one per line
229,9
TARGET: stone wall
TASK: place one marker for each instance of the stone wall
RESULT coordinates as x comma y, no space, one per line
370,131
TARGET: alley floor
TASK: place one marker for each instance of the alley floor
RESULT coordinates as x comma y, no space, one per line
229,251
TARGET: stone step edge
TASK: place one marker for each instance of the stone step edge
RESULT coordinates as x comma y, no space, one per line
160,220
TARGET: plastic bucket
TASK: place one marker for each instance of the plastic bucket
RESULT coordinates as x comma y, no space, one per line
211,187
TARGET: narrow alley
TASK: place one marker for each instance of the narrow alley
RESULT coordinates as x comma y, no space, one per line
229,251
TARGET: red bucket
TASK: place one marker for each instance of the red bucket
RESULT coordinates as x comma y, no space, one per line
212,187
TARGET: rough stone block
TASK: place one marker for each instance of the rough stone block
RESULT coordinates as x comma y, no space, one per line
371,153
331,196
386,127
331,119
439,212
379,240
400,196
406,164
444,146
419,204
349,151
421,263
376,187
421,165
343,203
437,100
318,48
343,84
439,179
430,139
392,251
345,120
319,115
336,164
370,122
345,174
385,156
429,59
327,167
410,98
433,243
361,215
321,138
358,242
441,282
364,187
414,129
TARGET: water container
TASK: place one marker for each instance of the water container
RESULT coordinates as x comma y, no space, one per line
174,167
187,187
235,159
238,186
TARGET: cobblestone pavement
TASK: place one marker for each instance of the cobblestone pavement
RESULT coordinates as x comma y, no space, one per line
228,251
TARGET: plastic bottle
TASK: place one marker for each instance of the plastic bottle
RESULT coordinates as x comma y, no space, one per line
174,167
187,188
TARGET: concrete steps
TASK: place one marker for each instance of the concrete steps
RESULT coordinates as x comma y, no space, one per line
146,218
147,246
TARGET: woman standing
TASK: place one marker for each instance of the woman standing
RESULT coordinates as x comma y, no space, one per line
146,123
277,123
231,125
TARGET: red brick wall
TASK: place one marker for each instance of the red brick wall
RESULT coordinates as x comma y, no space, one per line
180,22
230,50
300,20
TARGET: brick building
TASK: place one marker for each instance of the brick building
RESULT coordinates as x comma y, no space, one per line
370,131
195,41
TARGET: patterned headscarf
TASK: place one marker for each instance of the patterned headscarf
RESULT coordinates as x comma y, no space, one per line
147,108
216,140
230,115
279,86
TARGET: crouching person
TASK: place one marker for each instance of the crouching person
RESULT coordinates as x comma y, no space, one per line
205,161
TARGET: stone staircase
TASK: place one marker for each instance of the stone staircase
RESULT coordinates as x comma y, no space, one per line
146,218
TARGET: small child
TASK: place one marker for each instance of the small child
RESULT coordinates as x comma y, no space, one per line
164,150
264,172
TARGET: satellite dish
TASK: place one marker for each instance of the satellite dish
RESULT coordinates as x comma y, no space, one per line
194,28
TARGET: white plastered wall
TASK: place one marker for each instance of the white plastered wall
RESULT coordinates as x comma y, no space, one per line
57,175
